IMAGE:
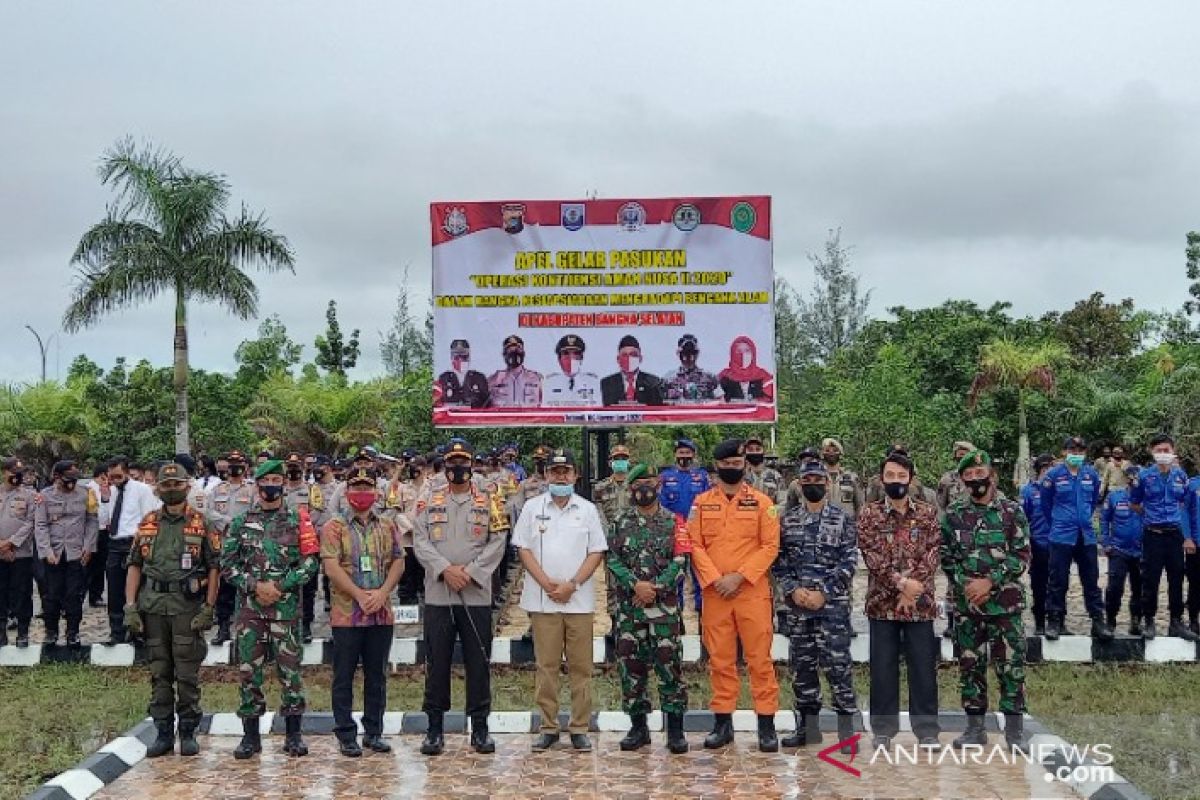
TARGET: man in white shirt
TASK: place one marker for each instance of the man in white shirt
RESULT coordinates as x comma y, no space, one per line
561,540
131,502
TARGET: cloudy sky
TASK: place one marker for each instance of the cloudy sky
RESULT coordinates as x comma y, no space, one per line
1029,152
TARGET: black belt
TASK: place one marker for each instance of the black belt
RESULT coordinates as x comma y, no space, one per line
166,587
124,542
1169,528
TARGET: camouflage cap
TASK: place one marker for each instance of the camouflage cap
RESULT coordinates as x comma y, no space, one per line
975,458
618,450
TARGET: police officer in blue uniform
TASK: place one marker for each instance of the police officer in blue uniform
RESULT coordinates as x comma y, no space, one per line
1070,493
1121,532
1160,492
680,486
1039,539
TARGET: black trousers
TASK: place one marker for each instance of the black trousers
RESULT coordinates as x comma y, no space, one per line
1120,566
97,568
309,598
1162,550
16,593
226,598
65,585
1039,573
368,646
472,625
1191,570
412,582
920,648
115,572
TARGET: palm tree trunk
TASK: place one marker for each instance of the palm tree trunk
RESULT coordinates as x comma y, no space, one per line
182,437
1021,469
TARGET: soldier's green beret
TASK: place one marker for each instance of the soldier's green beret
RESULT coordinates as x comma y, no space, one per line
272,466
975,458
642,471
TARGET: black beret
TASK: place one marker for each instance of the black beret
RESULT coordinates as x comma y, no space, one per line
729,448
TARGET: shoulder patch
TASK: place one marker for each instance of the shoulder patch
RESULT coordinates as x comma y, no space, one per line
773,511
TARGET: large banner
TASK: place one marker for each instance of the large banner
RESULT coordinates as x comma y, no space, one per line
603,312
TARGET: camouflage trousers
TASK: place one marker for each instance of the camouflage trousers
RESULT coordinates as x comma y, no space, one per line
645,646
822,643
256,638
1005,636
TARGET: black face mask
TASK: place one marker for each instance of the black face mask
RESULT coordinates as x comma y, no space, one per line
730,475
813,492
979,487
895,489
318,474
237,472
832,458
69,484
539,466
644,496
414,472
684,462
514,360
223,474
755,459
458,474
295,475
14,480
270,494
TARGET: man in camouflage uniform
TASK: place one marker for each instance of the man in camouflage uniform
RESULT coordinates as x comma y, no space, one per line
170,590
269,554
985,551
644,565
818,553
611,495
845,489
689,383
765,479
231,498
950,488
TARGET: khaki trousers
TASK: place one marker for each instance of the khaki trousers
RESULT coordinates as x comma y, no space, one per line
556,635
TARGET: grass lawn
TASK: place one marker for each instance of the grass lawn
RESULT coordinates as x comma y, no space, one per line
53,716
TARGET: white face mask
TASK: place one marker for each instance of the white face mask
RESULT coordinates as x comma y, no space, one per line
745,359
634,363
1164,459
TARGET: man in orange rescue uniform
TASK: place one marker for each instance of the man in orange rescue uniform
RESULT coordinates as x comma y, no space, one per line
733,530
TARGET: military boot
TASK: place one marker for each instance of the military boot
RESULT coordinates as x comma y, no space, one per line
164,742
222,634
188,746
1100,630
975,734
1135,627
1149,630
481,740
845,731
1177,628
677,743
722,732
435,740
1053,627
808,730
639,734
1039,625
293,742
1014,733
251,740
768,740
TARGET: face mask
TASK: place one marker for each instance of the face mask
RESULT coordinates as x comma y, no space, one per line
746,359
644,496
360,499
295,474
1074,460
629,363
562,489
270,494
414,472
318,474
461,364
895,489
730,475
620,465
832,458
237,472
173,497
14,480
539,466
514,359
458,474
1164,459
223,474
813,492
979,487
685,462
756,458
69,484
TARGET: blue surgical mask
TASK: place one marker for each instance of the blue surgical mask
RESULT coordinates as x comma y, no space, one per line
562,489
620,465
1074,460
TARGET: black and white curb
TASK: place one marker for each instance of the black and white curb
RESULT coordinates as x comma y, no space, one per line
411,650
118,756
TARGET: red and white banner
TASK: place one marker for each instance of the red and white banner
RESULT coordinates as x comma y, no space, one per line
603,312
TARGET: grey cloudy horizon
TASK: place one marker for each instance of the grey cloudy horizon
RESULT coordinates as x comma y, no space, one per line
1025,152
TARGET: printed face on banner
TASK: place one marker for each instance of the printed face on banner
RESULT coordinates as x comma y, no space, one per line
670,299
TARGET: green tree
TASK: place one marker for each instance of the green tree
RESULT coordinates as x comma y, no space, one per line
168,233
45,423
1096,332
405,348
1005,365
1193,272
334,354
837,310
327,415
271,353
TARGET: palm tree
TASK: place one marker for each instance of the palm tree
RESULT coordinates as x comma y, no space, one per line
167,233
1004,364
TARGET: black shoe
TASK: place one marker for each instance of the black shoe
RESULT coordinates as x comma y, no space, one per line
1014,733
798,738
293,742
188,746
376,743
1149,630
545,742
881,743
114,640
928,743
164,742
1135,627
768,740
221,636
22,640
306,633
581,742
722,733
251,739
1100,630
677,743
975,734
1053,628
1039,626
481,740
639,734
73,640
1177,628
435,741
97,603
349,747
845,731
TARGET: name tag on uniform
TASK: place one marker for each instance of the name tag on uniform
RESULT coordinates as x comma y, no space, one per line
185,561
364,564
